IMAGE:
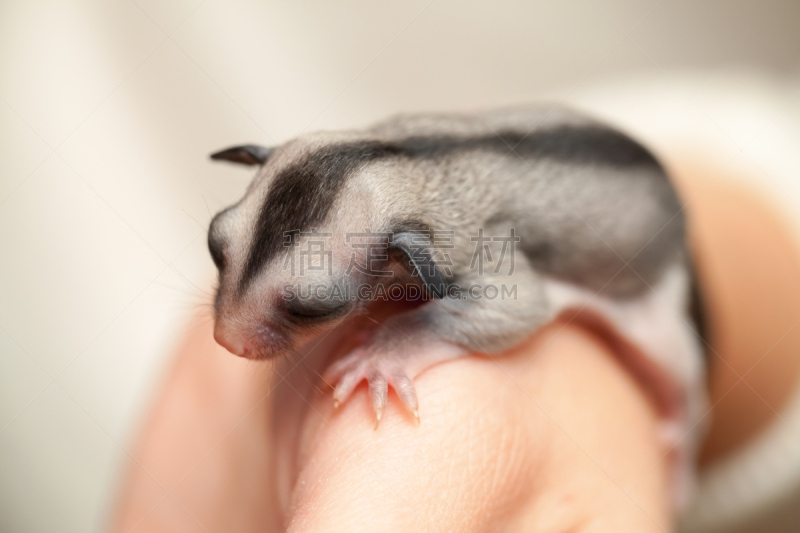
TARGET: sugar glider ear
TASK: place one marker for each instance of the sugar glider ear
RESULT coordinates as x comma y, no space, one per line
419,261
248,154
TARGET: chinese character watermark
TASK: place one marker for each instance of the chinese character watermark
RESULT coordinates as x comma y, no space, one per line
427,249
315,256
483,251
376,252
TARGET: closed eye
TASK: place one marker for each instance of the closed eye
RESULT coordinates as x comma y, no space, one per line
312,310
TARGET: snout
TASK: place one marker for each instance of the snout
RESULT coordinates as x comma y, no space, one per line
262,341
236,344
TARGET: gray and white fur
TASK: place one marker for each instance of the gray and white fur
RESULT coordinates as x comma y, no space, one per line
601,238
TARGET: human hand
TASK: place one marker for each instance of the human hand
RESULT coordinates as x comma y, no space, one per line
553,436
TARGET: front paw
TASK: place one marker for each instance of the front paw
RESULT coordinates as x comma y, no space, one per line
381,368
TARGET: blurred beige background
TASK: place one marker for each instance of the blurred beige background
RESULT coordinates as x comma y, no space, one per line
108,110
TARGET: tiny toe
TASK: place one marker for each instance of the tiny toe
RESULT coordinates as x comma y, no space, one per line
405,389
378,389
346,386
338,368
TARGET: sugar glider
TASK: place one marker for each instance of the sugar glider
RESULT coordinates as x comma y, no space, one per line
503,220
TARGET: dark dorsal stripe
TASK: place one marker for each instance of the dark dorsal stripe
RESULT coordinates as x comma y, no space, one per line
301,196
569,144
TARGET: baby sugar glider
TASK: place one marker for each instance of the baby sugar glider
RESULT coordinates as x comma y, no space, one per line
498,222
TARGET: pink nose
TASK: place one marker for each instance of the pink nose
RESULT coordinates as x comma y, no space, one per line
230,342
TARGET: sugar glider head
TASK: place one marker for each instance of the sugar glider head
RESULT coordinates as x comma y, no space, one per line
297,252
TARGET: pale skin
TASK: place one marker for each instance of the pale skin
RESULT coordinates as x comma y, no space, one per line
554,435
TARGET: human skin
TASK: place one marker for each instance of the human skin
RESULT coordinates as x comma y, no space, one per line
514,442
748,259
554,435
